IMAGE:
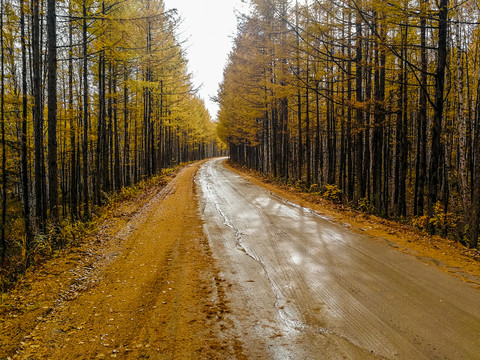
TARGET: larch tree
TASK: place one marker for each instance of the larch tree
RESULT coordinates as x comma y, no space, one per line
91,98
372,101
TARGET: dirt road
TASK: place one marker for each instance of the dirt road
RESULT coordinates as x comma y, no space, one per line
304,287
155,293
257,278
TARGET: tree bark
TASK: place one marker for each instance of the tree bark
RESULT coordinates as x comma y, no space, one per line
24,142
73,128
86,197
359,176
3,240
52,112
462,124
434,167
421,163
40,186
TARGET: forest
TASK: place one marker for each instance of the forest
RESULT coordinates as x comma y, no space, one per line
95,97
371,103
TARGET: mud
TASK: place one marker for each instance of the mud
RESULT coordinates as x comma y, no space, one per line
304,287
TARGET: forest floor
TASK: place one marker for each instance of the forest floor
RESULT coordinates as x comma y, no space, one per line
449,255
146,284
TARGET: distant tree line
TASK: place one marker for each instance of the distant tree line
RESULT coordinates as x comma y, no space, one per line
95,96
379,99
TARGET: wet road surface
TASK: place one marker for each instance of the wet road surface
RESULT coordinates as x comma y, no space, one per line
303,287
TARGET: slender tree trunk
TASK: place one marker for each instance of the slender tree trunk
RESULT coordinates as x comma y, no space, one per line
350,145
126,137
3,240
40,186
274,133
86,200
422,118
299,103
73,127
24,141
379,119
474,220
359,178
402,132
387,170
285,138
300,136
434,168
307,128
52,112
317,135
117,169
462,123
402,203
101,173
368,117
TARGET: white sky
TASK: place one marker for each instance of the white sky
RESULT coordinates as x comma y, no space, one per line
209,27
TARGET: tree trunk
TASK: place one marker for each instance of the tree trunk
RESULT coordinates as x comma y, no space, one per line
86,200
421,163
359,181
73,128
474,219
379,119
52,112
434,167
462,124
24,141
307,128
3,240
40,186
117,168
126,139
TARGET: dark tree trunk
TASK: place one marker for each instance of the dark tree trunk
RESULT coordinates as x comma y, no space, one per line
3,240
300,136
359,176
126,138
117,167
40,185
86,200
317,135
474,219
24,141
379,119
307,128
101,167
73,128
434,168
52,112
421,163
